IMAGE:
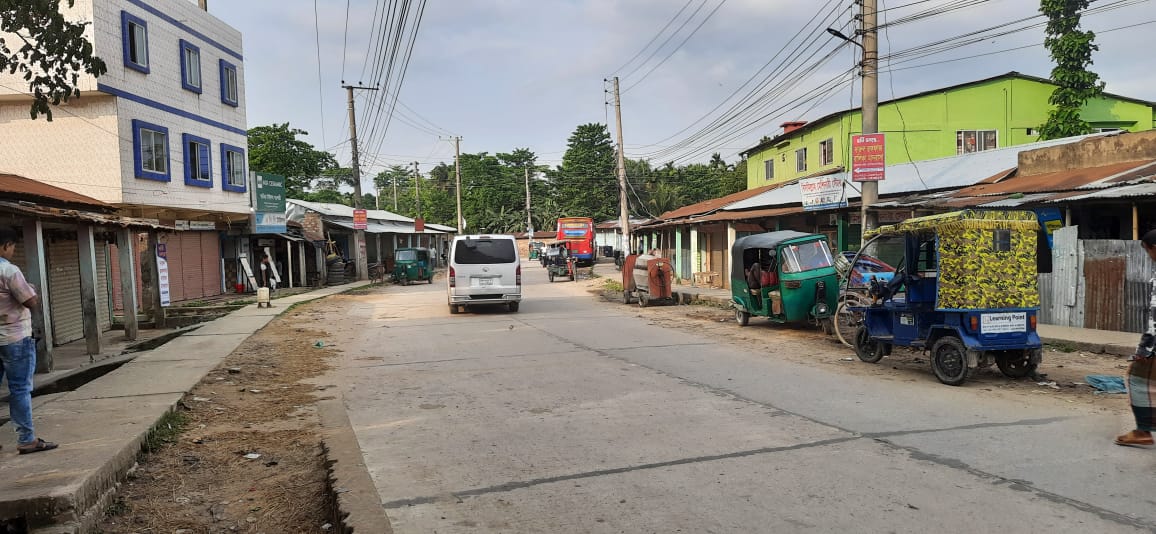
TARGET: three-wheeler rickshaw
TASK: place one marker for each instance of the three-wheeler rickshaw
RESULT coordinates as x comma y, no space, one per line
785,276
536,249
965,289
411,264
559,262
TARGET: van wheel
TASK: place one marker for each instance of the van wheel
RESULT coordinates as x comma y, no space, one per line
453,309
1015,364
949,361
867,349
513,307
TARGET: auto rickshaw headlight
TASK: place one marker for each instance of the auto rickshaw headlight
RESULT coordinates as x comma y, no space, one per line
822,309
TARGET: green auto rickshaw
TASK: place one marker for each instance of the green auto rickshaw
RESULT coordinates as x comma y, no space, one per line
411,264
536,249
785,276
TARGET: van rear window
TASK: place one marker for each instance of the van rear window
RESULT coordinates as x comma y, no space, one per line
482,251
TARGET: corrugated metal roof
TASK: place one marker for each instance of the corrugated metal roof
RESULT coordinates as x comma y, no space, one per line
21,186
341,210
1127,191
915,177
383,228
713,204
1068,180
87,216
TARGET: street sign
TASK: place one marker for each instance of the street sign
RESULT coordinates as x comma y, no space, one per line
269,200
360,219
823,192
868,157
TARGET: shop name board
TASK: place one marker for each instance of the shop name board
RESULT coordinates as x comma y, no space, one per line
163,274
270,193
868,157
823,192
269,223
360,219
195,225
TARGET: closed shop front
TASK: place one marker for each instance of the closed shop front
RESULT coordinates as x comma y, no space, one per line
194,260
64,288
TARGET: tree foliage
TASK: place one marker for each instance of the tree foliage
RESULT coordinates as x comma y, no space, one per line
47,50
585,182
1071,49
276,149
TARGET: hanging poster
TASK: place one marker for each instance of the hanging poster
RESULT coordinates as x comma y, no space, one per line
868,157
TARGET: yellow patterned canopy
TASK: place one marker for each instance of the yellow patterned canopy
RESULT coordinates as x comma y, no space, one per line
962,220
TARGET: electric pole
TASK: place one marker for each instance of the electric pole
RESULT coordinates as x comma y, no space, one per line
529,221
458,180
870,190
359,235
623,207
416,190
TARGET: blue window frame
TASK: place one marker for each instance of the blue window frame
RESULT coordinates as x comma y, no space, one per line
198,162
190,67
233,168
134,35
229,87
150,151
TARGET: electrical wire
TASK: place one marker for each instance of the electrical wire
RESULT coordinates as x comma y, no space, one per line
345,46
655,38
320,86
677,48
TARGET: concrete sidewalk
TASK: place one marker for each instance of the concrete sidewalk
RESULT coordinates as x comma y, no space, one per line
1083,339
101,425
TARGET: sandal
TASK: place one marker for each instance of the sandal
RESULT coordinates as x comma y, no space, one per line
39,446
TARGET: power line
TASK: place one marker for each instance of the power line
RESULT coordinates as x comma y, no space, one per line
320,86
676,49
655,38
345,47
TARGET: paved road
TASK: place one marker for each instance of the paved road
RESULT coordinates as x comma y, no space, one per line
578,416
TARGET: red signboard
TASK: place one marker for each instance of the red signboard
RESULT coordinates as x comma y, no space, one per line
868,157
360,221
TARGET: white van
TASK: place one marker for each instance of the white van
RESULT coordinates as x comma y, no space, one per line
484,269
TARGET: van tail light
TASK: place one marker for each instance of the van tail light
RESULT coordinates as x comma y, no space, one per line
518,275
974,320
1033,320
453,278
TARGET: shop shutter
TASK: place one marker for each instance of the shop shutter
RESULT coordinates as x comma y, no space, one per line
64,291
103,287
191,265
211,263
173,249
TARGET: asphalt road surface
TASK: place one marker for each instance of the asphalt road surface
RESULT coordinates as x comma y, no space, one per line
576,415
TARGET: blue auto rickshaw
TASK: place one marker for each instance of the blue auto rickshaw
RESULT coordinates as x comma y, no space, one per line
965,290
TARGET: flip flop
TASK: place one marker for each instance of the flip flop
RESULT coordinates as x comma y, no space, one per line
39,446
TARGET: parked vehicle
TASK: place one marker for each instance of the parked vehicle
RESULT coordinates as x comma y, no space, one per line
412,264
786,276
484,269
559,263
578,233
536,249
649,279
966,289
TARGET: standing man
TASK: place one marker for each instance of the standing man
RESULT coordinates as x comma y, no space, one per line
17,347
266,279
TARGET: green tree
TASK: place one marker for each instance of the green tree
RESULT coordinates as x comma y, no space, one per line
276,149
1071,49
51,54
734,180
385,181
585,182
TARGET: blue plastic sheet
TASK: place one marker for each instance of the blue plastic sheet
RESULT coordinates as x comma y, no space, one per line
1106,383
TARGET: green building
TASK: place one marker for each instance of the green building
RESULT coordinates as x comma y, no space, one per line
997,112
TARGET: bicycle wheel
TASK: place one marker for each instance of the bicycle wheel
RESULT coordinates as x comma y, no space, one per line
847,321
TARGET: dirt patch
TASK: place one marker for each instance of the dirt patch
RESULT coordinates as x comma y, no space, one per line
244,453
808,345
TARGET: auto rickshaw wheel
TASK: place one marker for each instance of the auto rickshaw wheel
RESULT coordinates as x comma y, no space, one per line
1015,364
867,349
643,299
551,275
742,317
949,361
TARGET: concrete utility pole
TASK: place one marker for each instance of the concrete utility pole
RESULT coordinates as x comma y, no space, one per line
417,190
623,207
359,235
458,180
870,190
529,221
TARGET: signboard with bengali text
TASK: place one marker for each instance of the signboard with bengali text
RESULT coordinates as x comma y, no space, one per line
360,219
823,192
868,157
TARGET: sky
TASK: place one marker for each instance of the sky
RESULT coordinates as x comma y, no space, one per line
507,74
